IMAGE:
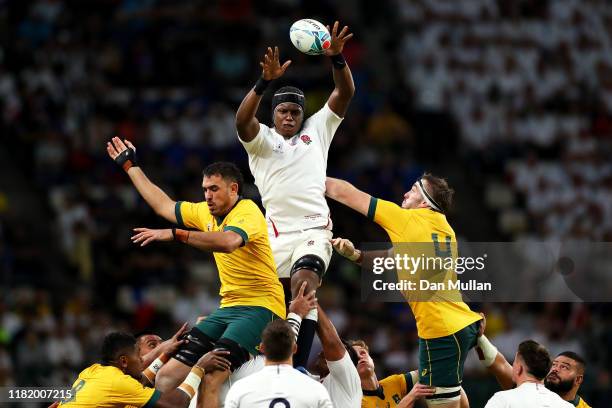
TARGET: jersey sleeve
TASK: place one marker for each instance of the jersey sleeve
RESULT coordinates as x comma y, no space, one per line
326,122
191,215
345,374
410,379
388,215
243,222
127,391
261,145
401,381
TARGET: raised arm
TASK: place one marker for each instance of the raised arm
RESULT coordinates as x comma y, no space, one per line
247,124
343,79
215,241
347,194
333,349
124,153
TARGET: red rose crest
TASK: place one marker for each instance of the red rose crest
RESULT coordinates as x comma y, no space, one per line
306,139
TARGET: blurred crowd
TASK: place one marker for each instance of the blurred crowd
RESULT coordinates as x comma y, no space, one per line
529,85
514,95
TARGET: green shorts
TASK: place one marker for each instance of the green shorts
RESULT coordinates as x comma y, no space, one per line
242,324
441,359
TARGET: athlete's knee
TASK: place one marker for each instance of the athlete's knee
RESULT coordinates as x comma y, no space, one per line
238,354
197,345
310,262
304,275
309,269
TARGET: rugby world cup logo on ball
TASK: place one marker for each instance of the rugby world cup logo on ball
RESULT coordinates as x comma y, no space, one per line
310,36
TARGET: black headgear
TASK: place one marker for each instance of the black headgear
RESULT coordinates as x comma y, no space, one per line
288,94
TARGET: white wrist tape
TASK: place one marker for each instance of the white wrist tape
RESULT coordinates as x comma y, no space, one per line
192,382
151,371
489,351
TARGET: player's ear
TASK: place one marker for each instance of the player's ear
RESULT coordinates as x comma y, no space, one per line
123,361
294,348
261,348
234,187
579,379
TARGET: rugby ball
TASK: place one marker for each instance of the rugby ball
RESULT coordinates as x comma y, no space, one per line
310,36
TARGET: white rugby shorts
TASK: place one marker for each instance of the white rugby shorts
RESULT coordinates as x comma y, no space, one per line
288,247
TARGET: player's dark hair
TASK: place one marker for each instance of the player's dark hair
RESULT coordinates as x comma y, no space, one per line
359,343
351,352
278,339
439,190
116,344
576,358
536,358
227,170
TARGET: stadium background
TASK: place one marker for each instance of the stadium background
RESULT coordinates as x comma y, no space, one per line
511,100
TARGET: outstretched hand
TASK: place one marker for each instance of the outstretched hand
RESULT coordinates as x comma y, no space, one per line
271,66
116,146
171,346
145,236
417,392
301,305
337,39
345,248
214,360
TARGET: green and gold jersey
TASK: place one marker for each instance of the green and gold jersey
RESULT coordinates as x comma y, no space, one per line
108,387
427,234
248,274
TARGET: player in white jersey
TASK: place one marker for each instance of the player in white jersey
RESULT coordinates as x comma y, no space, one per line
278,384
531,364
289,163
337,366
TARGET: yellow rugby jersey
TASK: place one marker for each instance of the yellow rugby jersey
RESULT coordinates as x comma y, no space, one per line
579,402
390,392
108,387
446,313
248,274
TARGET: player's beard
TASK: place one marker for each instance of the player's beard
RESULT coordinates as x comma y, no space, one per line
559,387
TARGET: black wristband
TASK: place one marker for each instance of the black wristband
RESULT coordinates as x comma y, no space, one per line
338,61
127,159
261,85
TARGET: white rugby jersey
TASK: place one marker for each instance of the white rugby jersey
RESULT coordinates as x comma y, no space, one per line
279,386
527,395
290,174
343,383
252,366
